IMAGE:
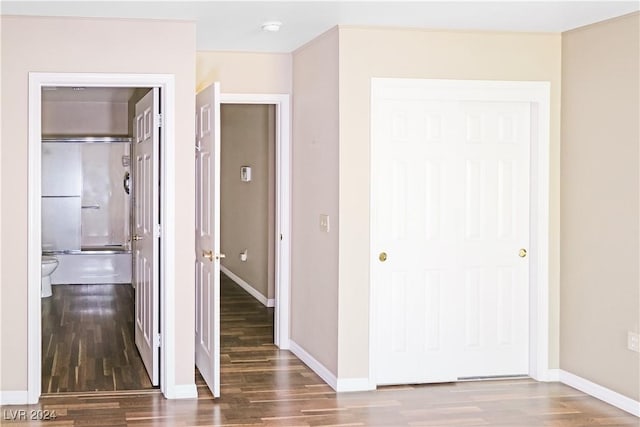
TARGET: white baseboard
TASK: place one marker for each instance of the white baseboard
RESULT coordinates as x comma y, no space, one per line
247,287
20,397
317,367
355,384
338,384
182,391
599,392
553,375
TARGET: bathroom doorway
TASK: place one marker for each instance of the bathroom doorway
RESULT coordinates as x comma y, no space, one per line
96,207
95,193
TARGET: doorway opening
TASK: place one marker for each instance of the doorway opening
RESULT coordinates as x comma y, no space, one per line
275,113
247,198
93,211
97,195
247,232
256,181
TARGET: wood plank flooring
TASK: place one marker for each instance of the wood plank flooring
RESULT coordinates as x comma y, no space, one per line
264,386
88,340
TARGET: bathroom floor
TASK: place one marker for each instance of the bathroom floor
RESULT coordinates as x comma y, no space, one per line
88,340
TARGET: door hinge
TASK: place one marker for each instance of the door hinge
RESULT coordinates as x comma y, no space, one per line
157,340
159,120
157,232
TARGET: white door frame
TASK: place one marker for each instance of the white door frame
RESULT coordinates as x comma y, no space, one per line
283,205
538,95
166,82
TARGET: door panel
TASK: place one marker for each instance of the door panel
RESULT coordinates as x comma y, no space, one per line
145,244
208,236
450,207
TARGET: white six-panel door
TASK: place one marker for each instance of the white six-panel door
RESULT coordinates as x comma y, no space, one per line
207,248
145,243
450,210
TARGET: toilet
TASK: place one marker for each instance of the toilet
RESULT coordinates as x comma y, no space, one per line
49,264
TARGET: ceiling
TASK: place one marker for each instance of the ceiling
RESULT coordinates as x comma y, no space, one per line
236,25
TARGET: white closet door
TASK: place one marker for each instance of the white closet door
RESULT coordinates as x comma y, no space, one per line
450,212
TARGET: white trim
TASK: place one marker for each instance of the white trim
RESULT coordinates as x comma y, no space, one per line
538,94
354,384
14,397
338,384
182,391
283,205
247,287
167,286
553,375
317,367
599,392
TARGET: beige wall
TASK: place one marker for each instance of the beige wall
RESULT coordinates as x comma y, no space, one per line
89,45
367,53
85,118
244,72
314,262
246,209
600,277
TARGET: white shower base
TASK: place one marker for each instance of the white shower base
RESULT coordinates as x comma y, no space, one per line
92,266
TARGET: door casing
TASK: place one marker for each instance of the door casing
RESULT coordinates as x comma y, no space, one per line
166,83
538,95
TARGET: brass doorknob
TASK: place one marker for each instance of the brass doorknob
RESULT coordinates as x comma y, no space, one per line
220,256
382,257
522,253
136,237
208,255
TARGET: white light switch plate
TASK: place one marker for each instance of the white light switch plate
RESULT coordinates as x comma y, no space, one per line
324,223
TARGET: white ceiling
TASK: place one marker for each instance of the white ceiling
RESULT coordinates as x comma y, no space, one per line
236,25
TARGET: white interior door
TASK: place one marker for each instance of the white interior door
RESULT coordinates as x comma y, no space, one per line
450,210
145,241
208,236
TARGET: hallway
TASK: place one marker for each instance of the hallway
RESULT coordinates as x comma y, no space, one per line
249,360
262,385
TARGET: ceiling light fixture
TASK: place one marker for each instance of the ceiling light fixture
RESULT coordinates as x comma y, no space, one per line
271,26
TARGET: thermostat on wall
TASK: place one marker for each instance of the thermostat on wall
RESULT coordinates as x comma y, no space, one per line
245,173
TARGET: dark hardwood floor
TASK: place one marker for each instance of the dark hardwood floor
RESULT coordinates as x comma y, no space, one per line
264,386
88,340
